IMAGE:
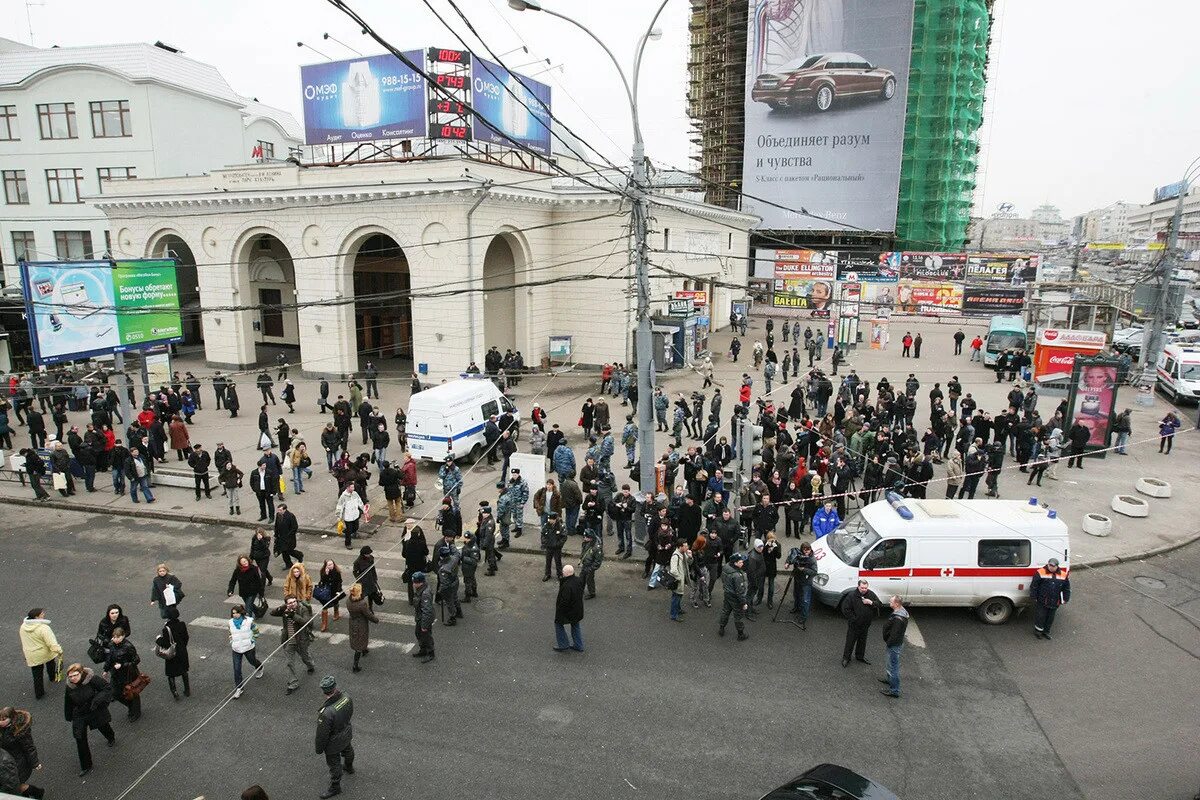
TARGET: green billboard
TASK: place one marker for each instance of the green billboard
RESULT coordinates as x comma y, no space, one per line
147,301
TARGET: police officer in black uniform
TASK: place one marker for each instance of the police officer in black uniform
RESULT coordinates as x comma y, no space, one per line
335,734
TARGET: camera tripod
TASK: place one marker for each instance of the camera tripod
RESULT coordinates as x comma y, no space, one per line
783,597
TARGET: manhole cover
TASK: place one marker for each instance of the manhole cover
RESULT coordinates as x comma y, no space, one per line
487,605
1150,583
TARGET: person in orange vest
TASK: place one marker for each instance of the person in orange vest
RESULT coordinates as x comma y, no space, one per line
1051,588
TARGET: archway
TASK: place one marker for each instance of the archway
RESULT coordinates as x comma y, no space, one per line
267,279
188,281
382,306
500,296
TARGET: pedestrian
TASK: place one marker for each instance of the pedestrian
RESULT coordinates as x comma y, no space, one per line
200,461
286,528
977,348
363,570
1123,427
568,610
959,336
121,669
35,468
265,484
296,634
264,384
288,395
1050,588
361,616
335,735
893,639
328,592
860,608
771,552
43,653
178,433
804,569
165,590
371,373
906,343
1166,433
260,552
916,342
350,511
138,470
172,646
16,740
243,632
736,602
423,602
232,403
248,580
298,583
86,702
1078,437
954,475
301,464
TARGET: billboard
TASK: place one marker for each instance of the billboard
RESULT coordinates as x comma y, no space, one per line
1014,270
933,266
1093,401
494,95
1170,191
992,300
804,279
1055,350
826,92
928,297
361,99
868,267
80,309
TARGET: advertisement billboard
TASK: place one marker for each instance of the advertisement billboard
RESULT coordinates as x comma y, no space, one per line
1055,350
1093,401
826,93
868,267
804,279
524,122
80,309
361,99
1169,192
933,266
928,297
989,300
1014,270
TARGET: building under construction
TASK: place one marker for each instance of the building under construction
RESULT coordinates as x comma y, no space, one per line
948,65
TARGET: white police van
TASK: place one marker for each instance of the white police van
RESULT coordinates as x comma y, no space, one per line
976,553
448,419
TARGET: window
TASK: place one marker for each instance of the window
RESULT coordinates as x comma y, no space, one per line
110,118
888,555
73,244
16,190
489,408
266,149
107,244
1169,366
1004,553
57,120
272,314
8,124
64,185
666,238
116,174
24,247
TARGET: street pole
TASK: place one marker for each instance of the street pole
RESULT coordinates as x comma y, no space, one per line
1152,344
122,388
638,194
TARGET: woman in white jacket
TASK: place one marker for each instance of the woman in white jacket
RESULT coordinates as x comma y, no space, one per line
242,633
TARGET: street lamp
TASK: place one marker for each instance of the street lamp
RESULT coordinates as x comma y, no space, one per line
638,195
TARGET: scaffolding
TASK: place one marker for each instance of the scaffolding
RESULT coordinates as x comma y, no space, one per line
945,109
716,95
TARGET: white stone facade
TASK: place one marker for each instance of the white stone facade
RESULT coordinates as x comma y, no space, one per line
572,279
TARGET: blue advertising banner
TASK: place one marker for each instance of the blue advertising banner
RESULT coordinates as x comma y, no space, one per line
361,99
492,96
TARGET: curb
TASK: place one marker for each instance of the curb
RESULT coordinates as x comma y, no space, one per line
1139,556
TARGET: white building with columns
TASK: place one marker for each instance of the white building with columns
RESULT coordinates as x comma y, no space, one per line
433,260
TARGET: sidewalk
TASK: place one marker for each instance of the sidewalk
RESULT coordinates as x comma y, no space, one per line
1171,523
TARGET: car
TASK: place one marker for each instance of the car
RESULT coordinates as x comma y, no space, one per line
830,782
819,81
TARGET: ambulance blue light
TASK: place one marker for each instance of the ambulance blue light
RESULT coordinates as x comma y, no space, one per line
897,503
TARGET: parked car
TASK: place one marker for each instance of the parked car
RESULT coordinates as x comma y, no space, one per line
830,782
821,80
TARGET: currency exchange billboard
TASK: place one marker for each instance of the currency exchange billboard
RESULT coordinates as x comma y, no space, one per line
826,94
361,99
518,109
80,309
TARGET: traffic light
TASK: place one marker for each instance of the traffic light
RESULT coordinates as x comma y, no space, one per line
750,448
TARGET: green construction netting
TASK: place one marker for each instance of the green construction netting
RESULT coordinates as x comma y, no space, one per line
945,109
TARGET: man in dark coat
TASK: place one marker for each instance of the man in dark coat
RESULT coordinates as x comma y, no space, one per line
860,607
1078,437
286,526
85,705
568,610
335,735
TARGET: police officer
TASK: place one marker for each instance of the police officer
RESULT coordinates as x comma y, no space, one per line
486,531
448,562
471,556
423,597
1050,588
733,579
334,734
552,540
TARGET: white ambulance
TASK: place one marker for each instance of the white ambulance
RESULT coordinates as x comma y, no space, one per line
448,419
976,553
1178,371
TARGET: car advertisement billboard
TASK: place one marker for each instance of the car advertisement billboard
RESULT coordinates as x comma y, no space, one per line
520,112
826,93
80,309
362,99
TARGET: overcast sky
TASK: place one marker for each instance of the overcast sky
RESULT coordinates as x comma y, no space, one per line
1093,100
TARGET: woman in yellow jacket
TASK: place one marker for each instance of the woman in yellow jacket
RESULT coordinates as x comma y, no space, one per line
42,649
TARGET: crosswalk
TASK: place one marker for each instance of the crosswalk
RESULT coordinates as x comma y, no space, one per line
271,633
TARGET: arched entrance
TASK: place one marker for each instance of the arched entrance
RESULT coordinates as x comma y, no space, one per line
500,296
267,279
188,281
382,306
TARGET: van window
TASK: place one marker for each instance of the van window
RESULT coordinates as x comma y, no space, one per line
889,554
507,404
1169,366
1004,553
489,408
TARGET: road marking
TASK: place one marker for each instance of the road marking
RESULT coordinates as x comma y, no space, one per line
384,616
219,624
912,635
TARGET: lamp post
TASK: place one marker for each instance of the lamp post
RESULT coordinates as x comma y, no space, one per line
638,191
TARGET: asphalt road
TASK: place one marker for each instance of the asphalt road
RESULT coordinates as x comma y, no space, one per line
652,709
